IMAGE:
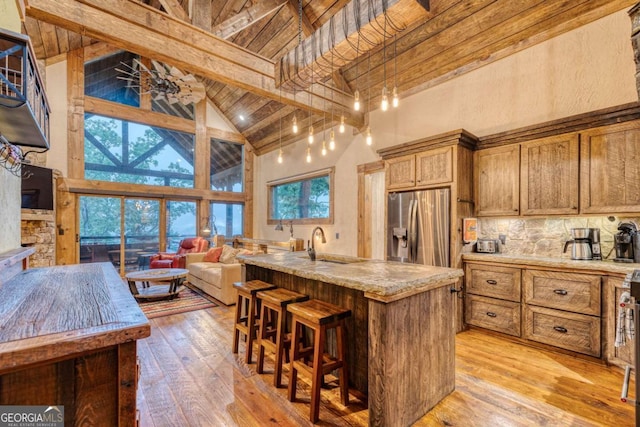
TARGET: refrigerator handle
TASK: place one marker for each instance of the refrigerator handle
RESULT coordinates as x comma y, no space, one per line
413,238
410,230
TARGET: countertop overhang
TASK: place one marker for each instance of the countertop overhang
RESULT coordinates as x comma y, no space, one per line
380,280
600,267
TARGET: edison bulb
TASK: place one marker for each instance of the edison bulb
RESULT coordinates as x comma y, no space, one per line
384,103
341,128
324,148
294,124
369,139
395,101
280,156
332,140
356,100
310,138
308,154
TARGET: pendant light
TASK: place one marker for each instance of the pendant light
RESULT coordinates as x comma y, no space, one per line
324,148
341,128
332,140
369,138
395,100
384,103
356,93
280,150
310,137
308,154
294,121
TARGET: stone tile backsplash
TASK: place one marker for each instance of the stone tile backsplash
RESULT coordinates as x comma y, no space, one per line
545,237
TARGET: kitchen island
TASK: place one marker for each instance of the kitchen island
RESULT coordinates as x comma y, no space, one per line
68,337
401,335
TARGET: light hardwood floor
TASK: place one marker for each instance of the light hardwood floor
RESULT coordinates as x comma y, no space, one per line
191,378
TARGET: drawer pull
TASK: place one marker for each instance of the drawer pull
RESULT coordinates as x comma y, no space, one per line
492,282
491,314
560,329
560,291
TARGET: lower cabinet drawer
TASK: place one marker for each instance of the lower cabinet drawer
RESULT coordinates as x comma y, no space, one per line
571,331
490,313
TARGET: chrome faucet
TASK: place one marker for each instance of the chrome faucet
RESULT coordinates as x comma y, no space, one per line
312,249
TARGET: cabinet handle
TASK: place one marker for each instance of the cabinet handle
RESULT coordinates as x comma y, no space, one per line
560,292
491,314
492,282
560,329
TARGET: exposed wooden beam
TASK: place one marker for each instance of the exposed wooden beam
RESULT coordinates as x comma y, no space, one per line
174,8
148,32
201,14
246,18
361,25
225,135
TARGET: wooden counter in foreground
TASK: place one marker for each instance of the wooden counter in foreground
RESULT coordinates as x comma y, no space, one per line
68,337
401,335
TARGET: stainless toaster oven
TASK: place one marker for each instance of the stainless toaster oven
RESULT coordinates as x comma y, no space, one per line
490,246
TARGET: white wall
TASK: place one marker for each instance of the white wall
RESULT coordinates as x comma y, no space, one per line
585,70
57,96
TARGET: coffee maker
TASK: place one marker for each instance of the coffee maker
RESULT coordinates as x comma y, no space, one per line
580,244
623,241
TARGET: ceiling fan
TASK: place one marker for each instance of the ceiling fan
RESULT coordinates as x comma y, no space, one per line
162,82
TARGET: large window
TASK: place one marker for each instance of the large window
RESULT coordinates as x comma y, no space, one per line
103,80
227,219
302,199
227,161
122,151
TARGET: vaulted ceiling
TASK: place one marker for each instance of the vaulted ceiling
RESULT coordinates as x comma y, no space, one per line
453,37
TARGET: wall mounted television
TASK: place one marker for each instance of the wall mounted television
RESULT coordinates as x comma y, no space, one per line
37,187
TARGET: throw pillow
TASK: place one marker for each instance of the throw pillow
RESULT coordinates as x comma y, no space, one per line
213,255
228,255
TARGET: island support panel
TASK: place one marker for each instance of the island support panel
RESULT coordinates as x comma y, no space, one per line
94,387
412,363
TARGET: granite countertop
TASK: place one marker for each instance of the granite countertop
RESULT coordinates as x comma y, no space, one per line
606,266
374,277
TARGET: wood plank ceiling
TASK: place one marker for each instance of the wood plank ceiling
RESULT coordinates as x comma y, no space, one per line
457,37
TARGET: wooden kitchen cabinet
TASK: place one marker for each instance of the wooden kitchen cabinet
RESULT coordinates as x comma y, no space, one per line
609,169
424,169
401,172
492,299
549,175
563,310
497,178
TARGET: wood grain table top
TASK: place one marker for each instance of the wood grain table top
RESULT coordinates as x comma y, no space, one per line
52,312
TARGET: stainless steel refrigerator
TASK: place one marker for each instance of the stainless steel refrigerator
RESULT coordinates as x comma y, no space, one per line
418,227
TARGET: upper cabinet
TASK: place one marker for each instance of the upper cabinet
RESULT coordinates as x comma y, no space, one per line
549,175
420,170
401,172
610,169
497,181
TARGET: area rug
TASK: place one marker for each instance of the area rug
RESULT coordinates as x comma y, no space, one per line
188,300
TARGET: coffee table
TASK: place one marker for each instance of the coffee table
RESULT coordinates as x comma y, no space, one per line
162,283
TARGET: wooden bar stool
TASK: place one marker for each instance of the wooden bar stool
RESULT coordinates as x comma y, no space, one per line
273,327
318,316
246,319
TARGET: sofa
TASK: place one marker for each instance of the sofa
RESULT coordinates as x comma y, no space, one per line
215,276
177,259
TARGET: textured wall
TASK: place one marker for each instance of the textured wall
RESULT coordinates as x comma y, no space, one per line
546,236
9,211
584,70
